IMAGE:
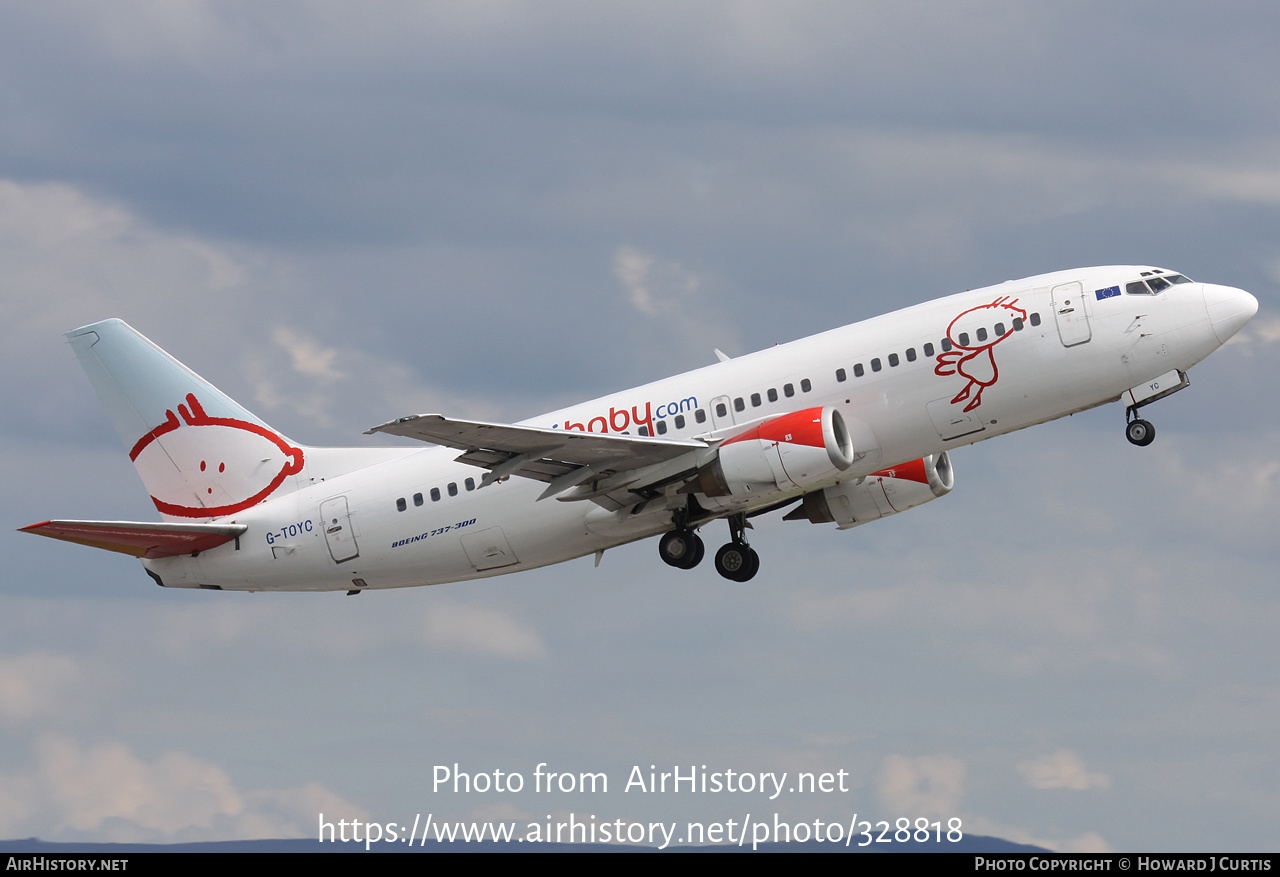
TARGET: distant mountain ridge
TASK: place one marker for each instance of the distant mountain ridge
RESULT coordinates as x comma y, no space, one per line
970,844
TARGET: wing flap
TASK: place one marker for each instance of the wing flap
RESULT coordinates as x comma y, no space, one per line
140,539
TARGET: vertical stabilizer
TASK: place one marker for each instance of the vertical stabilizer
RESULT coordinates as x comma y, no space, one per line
199,454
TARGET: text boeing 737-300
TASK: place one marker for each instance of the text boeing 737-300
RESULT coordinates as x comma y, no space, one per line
844,427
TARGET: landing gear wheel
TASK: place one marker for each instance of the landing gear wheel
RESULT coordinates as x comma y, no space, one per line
1140,433
681,549
737,562
699,552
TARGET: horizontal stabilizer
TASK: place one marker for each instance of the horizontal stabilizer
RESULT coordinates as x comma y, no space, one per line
140,539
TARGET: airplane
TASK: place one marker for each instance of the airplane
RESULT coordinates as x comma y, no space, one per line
845,427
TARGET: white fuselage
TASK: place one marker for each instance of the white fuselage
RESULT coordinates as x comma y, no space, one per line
418,517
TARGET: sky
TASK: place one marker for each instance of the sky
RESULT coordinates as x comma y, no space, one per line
343,214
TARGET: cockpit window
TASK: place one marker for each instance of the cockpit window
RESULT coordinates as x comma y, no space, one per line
1156,282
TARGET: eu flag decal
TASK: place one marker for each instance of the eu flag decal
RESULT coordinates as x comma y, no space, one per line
1107,293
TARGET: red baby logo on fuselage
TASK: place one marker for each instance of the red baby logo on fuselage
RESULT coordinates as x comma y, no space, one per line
229,464
973,356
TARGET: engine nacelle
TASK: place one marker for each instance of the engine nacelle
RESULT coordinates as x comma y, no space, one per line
880,494
781,453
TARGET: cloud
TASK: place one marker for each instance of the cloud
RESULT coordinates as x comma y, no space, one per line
1258,184
926,785
330,628
40,686
483,631
1233,484
1262,331
1063,769
71,258
1016,628
1086,842
308,356
1022,617
107,792
680,313
654,287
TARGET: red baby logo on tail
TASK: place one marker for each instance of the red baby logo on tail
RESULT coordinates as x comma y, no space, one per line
207,467
976,361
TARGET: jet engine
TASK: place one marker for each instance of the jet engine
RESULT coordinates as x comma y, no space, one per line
880,494
781,453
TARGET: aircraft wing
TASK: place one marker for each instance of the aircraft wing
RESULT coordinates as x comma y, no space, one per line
140,539
562,458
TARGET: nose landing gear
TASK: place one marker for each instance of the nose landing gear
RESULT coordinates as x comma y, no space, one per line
1140,432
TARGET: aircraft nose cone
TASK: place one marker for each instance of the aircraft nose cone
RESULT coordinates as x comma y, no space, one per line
1229,309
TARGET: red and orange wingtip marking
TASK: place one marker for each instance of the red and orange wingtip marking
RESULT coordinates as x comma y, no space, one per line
139,539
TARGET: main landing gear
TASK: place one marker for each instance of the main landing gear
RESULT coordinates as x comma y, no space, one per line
1138,431
682,549
736,560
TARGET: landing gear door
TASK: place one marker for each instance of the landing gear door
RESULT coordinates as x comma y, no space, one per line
488,549
952,421
337,529
1068,309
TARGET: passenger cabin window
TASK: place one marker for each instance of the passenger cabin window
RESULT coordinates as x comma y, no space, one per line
417,499
755,400
946,344
679,421
840,375
401,505
662,427
964,339
739,404
644,430
911,354
999,330
1035,319
1017,324
982,334
805,386
435,494
928,350
701,416
893,360
453,488
721,411
788,390
875,364
859,371
470,483
773,395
